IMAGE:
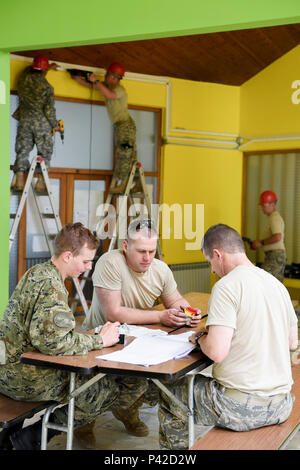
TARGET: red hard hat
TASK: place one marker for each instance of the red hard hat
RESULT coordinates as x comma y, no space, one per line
267,196
40,62
117,68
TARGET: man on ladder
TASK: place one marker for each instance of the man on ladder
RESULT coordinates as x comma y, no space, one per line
38,163
37,120
115,97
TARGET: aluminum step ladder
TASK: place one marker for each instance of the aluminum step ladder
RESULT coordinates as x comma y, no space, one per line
44,216
136,172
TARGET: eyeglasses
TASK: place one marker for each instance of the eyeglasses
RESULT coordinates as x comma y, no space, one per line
140,224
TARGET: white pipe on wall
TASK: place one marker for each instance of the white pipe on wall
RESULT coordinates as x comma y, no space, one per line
273,138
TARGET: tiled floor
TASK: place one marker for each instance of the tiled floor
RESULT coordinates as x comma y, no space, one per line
110,434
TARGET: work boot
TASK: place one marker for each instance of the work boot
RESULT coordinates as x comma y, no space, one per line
13,183
29,438
85,434
137,188
40,186
119,189
18,181
131,420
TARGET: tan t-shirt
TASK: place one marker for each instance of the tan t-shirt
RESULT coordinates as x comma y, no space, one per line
258,307
138,290
118,108
274,224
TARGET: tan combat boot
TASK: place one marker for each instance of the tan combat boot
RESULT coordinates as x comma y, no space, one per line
19,181
130,419
85,434
40,186
120,188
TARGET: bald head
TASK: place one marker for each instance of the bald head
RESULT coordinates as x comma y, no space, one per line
222,237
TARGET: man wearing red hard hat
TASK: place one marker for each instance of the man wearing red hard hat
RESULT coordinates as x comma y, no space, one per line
115,97
37,120
272,241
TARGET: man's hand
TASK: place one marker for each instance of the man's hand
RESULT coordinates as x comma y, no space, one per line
255,244
110,334
92,78
175,317
193,336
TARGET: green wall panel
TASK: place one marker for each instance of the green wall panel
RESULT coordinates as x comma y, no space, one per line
4,178
35,24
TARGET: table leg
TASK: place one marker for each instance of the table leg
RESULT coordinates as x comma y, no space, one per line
189,410
191,421
71,407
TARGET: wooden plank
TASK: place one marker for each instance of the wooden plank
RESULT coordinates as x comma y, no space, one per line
266,438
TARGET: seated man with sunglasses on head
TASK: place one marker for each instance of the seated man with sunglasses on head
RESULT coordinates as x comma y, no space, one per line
127,284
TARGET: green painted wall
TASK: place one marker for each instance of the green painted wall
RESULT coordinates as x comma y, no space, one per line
33,24
4,177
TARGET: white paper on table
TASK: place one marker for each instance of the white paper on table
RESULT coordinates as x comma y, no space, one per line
149,350
137,331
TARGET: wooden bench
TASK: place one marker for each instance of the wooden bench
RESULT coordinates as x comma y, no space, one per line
266,438
12,415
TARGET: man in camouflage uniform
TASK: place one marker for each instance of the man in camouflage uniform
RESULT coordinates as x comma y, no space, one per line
115,97
251,327
38,318
37,119
273,237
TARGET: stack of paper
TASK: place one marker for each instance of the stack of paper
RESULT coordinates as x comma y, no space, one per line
134,330
149,350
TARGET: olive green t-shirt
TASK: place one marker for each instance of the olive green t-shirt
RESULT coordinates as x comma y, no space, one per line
274,224
118,108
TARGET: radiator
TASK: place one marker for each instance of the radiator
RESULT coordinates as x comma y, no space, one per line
192,277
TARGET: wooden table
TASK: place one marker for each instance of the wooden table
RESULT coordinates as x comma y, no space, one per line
88,364
195,299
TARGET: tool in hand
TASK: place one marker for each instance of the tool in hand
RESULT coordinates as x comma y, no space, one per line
247,240
80,73
61,130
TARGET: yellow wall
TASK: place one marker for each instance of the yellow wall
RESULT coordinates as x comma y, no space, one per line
262,106
205,106
197,175
191,175
266,103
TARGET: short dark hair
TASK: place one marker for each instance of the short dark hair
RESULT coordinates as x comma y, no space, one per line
138,225
224,237
72,237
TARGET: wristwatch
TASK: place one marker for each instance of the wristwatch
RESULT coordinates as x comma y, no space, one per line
198,335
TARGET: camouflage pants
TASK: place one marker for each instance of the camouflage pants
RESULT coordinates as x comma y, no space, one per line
275,261
30,383
213,408
34,131
109,393
125,139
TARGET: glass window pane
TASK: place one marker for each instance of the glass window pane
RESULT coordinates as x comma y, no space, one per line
88,195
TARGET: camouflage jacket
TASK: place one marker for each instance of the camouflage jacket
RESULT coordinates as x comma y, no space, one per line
38,317
36,98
